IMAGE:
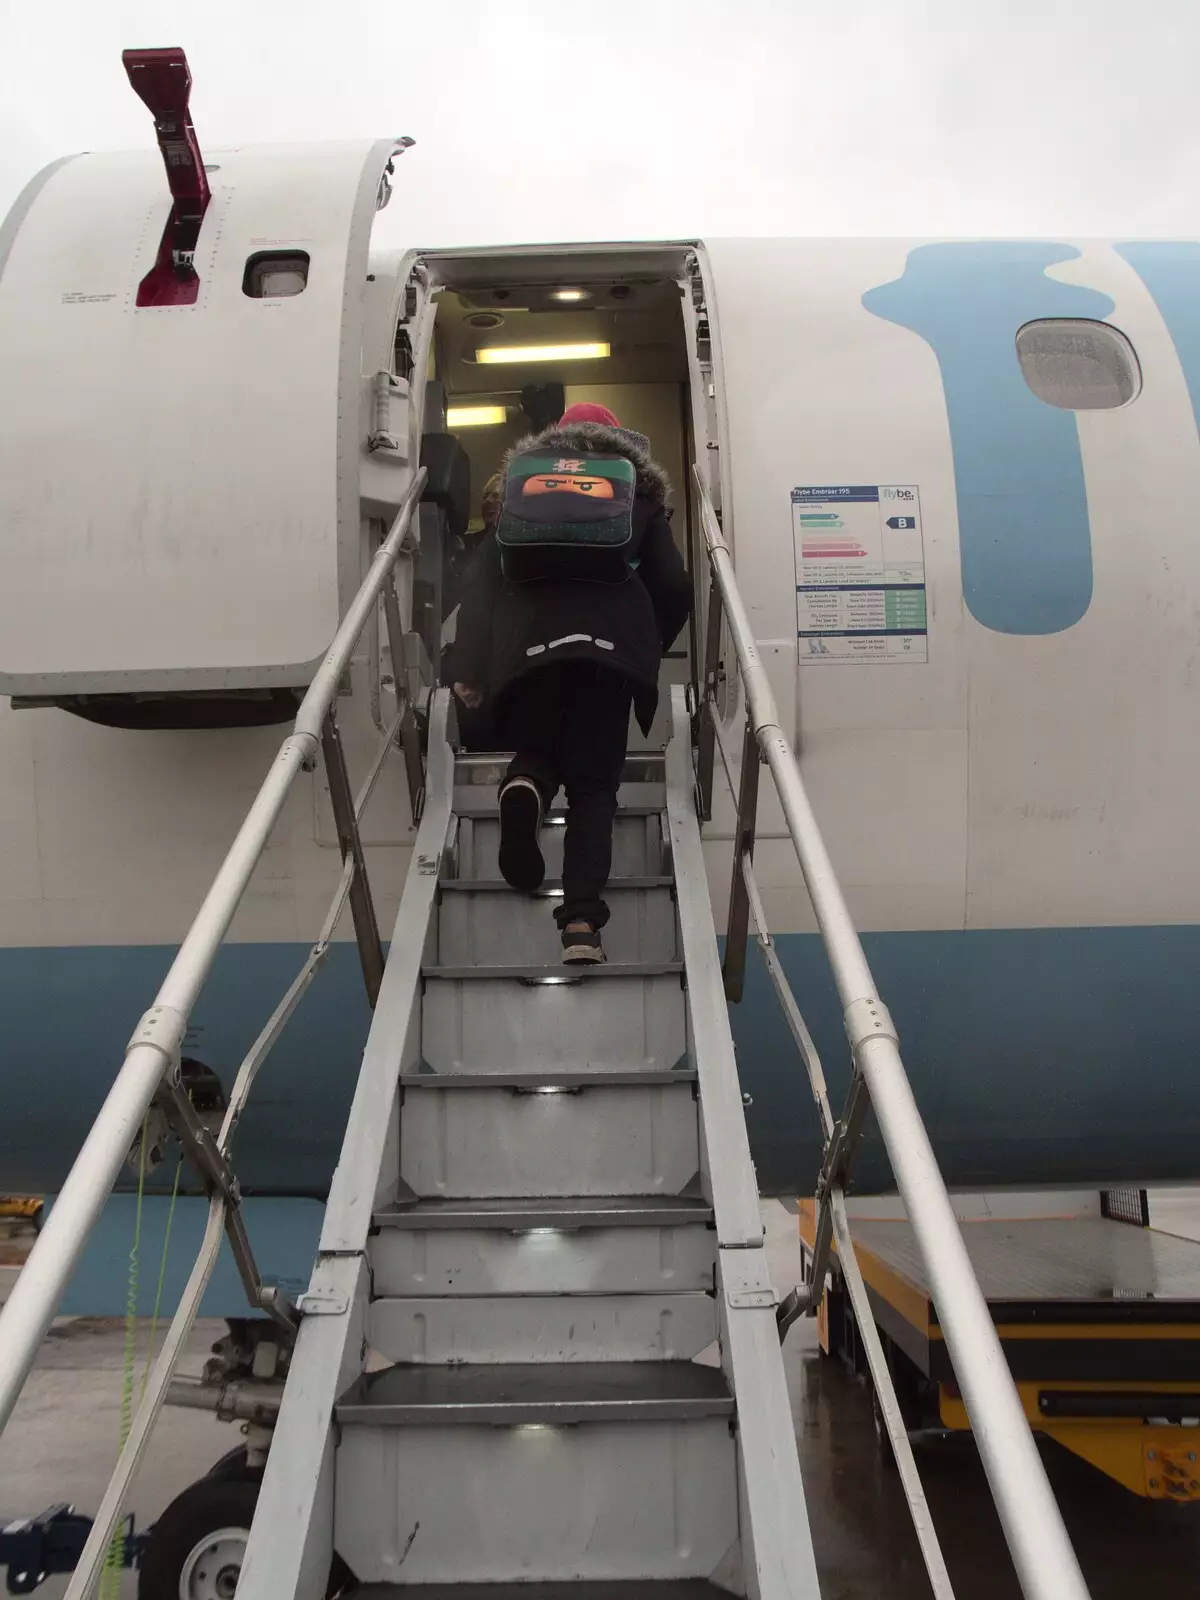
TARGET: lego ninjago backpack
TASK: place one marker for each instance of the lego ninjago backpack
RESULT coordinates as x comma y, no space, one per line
567,516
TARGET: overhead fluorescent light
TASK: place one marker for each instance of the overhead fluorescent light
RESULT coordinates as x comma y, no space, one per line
495,354
475,416
569,295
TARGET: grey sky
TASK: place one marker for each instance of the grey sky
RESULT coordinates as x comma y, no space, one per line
541,119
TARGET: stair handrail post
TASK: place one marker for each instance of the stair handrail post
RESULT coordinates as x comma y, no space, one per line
1046,1564
154,1048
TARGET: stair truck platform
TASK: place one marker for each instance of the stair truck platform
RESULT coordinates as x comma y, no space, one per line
1098,1316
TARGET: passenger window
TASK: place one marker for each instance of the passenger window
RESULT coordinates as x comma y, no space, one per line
1078,365
274,275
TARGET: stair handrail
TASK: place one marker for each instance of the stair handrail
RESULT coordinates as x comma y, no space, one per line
1046,1565
156,1042
158,1386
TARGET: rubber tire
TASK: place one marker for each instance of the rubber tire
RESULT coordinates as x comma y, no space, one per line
201,1509
225,1498
233,1465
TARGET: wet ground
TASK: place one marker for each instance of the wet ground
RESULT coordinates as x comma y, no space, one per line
866,1549
62,1442
865,1546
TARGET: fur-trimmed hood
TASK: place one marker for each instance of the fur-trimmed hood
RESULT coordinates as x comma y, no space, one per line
577,438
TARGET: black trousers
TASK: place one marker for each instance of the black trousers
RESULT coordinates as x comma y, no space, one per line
569,724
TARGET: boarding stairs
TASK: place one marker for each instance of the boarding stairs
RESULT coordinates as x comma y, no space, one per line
539,1357
576,1356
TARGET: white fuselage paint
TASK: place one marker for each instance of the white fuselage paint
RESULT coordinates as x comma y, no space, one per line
1008,782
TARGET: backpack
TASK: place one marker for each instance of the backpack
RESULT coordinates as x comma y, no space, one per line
567,517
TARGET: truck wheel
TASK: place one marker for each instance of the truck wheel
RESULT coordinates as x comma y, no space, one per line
196,1548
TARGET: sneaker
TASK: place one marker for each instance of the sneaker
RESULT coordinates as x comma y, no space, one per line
521,864
581,945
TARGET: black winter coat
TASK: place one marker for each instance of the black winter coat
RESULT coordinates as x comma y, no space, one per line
508,629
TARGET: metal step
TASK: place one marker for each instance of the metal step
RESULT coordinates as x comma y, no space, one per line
605,1018
544,1082
459,1503
488,927
639,849
547,1394
544,1247
662,1589
550,888
561,1215
536,1328
536,975
477,768
633,800
601,1137
477,781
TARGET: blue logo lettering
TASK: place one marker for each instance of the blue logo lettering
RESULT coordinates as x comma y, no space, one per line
1024,534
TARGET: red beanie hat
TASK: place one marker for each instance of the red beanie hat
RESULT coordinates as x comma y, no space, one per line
585,411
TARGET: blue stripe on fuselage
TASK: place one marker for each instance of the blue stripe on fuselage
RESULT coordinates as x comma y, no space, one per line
1024,534
68,1013
1038,1056
283,1235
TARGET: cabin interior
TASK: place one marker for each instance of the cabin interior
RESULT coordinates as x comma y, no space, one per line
518,337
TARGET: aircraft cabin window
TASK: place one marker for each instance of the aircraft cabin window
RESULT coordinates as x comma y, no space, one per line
274,275
1078,365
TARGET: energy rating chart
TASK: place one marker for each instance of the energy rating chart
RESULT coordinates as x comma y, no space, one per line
860,573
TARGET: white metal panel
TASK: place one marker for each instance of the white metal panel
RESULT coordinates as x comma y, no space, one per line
178,494
112,836
542,1261
1083,763
1002,1205
1013,780
474,929
601,1141
816,394
637,847
630,1500
577,1027
554,1328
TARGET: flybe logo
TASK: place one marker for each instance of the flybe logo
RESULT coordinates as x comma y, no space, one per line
1022,503
1022,506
